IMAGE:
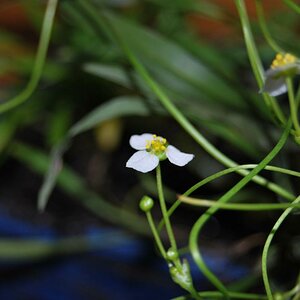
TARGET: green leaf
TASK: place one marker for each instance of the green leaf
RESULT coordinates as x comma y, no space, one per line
114,74
117,107
37,249
174,67
54,169
75,186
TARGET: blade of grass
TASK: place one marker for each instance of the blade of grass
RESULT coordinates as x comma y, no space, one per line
268,244
193,240
19,250
39,60
255,60
75,187
291,4
117,107
217,175
237,206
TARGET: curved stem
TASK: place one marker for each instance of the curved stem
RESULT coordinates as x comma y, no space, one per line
264,28
293,106
232,295
39,60
297,98
237,206
156,235
193,240
255,60
293,291
220,174
164,209
267,246
292,5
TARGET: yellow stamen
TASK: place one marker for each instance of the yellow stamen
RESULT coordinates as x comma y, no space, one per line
157,145
283,60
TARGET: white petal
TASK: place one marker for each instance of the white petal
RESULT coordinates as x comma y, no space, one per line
279,91
143,161
274,86
177,157
139,142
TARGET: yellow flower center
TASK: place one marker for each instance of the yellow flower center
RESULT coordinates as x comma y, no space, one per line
157,145
283,60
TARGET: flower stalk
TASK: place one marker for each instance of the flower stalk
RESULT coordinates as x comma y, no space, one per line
156,235
164,210
293,107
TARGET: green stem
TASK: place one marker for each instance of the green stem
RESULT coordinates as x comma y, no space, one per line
237,206
293,106
195,294
156,235
232,295
255,60
193,240
164,208
220,174
291,292
264,28
267,246
297,100
18,250
292,5
176,113
39,60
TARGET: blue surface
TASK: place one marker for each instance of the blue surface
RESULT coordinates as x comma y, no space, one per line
125,269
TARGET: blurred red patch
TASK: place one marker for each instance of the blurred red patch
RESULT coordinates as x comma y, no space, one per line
225,27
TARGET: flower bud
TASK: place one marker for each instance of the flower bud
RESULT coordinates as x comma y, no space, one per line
146,204
297,139
278,296
172,254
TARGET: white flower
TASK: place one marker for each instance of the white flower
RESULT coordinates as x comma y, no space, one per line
152,149
284,65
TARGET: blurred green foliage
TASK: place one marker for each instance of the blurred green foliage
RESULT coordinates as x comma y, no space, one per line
87,80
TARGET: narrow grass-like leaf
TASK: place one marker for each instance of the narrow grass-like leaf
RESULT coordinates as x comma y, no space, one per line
292,5
114,74
276,226
219,174
255,59
219,295
193,240
75,186
39,60
54,168
19,250
173,64
117,107
237,206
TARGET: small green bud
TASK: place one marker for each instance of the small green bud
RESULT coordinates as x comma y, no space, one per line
172,254
278,296
297,139
146,204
